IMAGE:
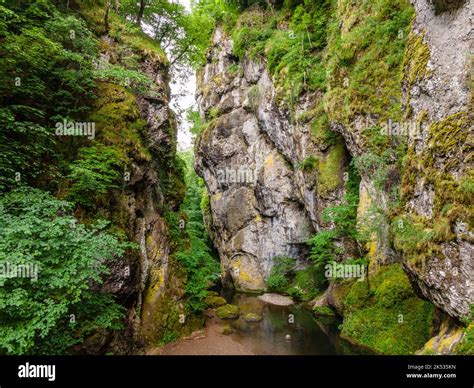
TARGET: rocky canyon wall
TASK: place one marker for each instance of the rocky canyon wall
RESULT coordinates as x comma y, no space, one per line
264,203
270,177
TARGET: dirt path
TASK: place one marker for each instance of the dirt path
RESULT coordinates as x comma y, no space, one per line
208,341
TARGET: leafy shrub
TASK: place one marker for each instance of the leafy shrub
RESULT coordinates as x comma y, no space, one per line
295,292
322,246
45,77
195,251
277,282
135,80
35,316
93,174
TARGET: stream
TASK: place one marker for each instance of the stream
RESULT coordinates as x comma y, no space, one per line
309,335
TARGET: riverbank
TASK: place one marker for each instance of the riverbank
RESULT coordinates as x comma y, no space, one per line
282,330
208,341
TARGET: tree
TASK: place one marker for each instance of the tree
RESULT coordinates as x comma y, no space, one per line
183,36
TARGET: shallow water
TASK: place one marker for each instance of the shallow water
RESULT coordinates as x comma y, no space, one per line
309,336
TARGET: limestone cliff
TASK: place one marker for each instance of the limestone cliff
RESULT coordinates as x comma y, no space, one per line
401,113
264,202
437,96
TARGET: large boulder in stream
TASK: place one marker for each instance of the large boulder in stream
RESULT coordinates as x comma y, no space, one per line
215,301
229,311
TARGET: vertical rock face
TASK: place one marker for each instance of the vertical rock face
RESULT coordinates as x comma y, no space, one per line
148,283
437,97
263,203
266,197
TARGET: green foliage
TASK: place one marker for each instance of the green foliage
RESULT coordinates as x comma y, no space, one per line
308,164
344,218
310,281
322,246
295,292
219,11
466,346
35,316
184,36
294,54
94,174
198,123
382,165
135,80
300,284
195,254
45,77
324,311
277,282
282,268
366,45
410,236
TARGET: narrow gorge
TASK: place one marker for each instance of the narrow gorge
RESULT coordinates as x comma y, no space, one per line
325,207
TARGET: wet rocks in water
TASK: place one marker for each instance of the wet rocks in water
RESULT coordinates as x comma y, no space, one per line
242,326
252,317
276,299
228,311
215,301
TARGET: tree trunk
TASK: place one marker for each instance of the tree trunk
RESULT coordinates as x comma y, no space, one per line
106,17
140,12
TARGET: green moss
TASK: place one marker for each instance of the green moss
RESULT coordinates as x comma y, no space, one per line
118,121
228,311
466,346
308,164
388,317
415,61
213,113
330,169
252,317
358,296
215,301
365,59
323,311
443,166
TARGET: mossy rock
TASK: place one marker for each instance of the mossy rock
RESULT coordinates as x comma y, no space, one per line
466,346
215,301
228,311
252,317
212,293
387,317
323,311
227,329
